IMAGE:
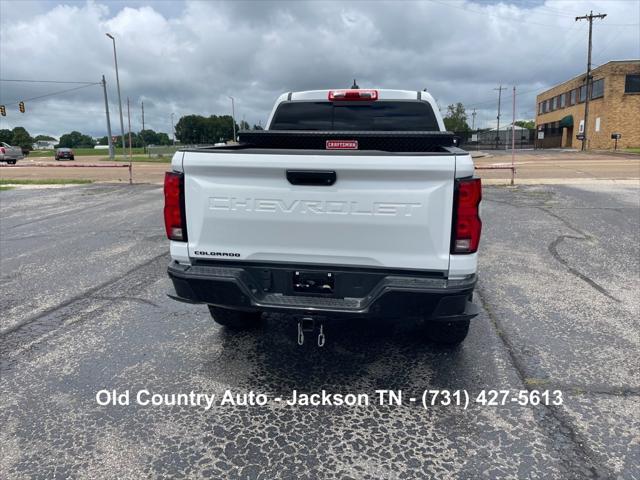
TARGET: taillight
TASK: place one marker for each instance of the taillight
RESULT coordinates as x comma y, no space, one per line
467,225
2,150
174,218
353,95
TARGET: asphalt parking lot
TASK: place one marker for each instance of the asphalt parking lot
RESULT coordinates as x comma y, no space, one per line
83,308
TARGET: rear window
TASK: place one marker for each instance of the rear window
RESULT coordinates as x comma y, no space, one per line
408,116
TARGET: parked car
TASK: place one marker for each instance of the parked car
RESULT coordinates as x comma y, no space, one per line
10,154
351,203
64,153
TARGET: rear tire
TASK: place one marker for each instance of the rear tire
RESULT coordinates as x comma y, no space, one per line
235,319
447,333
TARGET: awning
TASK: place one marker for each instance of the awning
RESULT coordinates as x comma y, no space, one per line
566,121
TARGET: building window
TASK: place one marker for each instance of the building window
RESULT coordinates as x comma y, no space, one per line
540,110
547,103
554,103
572,97
563,100
597,89
583,94
632,84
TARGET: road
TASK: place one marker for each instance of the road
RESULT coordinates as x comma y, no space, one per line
559,166
84,309
533,167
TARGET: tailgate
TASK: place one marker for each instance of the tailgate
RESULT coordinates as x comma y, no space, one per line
390,211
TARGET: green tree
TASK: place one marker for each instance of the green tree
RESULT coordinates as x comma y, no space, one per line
21,138
6,136
190,129
43,137
149,137
103,140
258,127
199,129
76,139
530,124
244,125
456,118
163,139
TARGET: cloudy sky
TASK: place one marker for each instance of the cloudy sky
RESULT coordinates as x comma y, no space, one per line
188,56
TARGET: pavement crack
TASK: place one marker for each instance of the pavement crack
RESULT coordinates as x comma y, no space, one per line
553,419
14,328
553,246
553,249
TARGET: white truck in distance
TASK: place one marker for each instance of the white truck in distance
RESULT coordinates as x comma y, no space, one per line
351,203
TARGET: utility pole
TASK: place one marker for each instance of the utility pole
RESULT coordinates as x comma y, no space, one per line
590,18
473,120
144,144
115,58
106,109
130,153
173,130
499,89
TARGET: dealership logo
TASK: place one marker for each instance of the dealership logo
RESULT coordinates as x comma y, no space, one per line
342,145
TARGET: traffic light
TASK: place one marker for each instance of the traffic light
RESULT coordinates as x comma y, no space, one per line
21,107
3,111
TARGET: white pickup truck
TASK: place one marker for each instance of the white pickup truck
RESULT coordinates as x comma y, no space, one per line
351,203
10,154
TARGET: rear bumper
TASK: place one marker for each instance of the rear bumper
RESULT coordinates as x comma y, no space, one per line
364,293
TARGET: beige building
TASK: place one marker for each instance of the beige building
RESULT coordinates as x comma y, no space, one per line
614,108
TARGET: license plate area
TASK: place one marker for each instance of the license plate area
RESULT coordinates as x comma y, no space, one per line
313,283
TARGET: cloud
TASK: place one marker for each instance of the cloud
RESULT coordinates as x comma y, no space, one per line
187,57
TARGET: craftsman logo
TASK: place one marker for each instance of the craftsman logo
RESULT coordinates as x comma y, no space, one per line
342,145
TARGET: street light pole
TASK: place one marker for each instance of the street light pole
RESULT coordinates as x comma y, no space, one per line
115,58
233,116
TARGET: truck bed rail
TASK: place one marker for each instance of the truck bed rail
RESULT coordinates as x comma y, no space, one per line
386,141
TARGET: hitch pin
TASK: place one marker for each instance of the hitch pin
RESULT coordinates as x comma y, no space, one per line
321,337
300,333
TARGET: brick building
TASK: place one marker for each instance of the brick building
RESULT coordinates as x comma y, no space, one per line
614,108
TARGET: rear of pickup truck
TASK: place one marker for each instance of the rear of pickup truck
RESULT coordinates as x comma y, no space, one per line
343,207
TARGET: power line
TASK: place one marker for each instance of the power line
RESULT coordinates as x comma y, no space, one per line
496,13
59,92
44,81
